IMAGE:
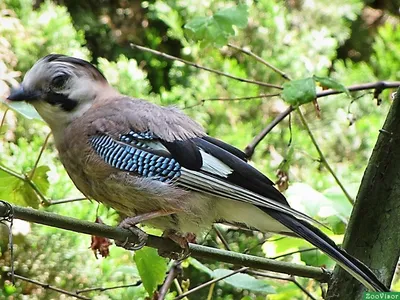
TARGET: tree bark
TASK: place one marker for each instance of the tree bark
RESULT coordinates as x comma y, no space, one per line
373,233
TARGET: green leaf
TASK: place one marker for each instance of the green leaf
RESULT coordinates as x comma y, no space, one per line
218,28
339,202
305,198
240,281
23,108
244,281
237,15
317,258
40,178
17,191
336,224
152,268
198,265
329,83
9,288
298,92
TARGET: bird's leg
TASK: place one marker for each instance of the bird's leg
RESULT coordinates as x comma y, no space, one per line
130,224
182,240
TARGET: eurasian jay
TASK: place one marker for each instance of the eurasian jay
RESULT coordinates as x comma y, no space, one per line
156,165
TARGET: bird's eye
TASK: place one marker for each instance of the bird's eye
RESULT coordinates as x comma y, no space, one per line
59,81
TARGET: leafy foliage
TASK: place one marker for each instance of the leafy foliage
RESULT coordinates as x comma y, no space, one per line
217,28
152,268
298,92
281,33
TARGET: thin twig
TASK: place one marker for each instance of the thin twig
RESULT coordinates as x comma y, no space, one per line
48,286
267,275
33,185
249,150
172,274
63,201
285,278
221,237
27,180
294,252
167,56
12,173
380,85
259,59
39,157
179,288
103,289
241,98
293,279
166,245
211,291
322,156
3,120
201,286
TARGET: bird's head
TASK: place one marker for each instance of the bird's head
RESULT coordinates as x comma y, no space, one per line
61,88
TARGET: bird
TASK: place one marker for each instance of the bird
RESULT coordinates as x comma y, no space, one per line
157,166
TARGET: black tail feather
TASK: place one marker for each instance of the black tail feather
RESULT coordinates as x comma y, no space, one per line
320,240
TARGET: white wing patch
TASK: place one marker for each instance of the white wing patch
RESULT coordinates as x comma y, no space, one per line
213,165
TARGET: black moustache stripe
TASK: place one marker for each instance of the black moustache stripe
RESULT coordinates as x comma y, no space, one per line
61,100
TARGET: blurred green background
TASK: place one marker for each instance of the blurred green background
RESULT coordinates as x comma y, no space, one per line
351,41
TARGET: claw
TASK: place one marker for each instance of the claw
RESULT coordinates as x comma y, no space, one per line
182,241
142,236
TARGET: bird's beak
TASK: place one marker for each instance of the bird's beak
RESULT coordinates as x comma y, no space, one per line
21,94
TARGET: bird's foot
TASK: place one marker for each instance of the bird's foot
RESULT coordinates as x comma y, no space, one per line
130,224
183,242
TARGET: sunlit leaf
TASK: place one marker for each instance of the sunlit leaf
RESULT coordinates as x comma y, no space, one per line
9,288
237,15
152,268
17,191
244,281
339,202
329,83
303,197
298,92
289,244
218,28
40,178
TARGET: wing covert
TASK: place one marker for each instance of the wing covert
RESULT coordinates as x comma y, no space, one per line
137,153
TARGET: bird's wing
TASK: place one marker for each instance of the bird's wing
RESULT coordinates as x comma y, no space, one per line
199,164
206,165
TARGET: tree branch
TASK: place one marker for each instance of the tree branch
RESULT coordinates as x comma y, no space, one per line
167,56
372,234
39,157
261,60
172,274
201,286
166,245
53,288
103,289
378,86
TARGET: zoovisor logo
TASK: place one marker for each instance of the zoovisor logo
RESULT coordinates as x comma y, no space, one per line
381,296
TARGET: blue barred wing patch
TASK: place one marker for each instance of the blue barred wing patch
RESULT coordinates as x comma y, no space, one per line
137,139
134,158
